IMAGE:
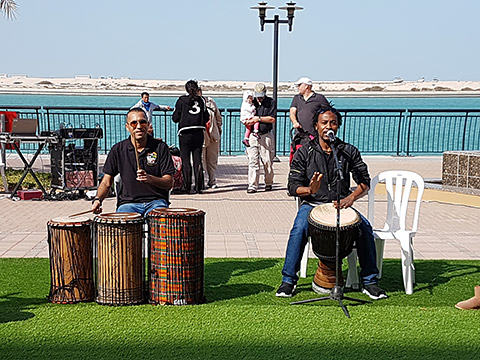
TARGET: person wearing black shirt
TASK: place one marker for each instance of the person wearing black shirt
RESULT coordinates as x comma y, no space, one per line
304,107
312,177
261,148
146,187
192,116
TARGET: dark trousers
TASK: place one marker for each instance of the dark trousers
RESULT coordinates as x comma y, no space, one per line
191,143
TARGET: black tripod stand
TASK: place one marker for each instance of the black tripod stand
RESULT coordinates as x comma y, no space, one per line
337,292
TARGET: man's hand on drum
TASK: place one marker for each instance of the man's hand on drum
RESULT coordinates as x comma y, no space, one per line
315,182
97,207
345,202
142,176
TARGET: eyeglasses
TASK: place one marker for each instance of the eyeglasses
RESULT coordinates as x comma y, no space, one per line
134,123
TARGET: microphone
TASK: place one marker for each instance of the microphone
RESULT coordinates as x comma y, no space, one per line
331,135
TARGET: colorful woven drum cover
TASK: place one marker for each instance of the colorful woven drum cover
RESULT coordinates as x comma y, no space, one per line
120,267
71,269
176,256
322,228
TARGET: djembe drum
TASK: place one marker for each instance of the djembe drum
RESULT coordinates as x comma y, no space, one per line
322,228
176,256
71,269
120,266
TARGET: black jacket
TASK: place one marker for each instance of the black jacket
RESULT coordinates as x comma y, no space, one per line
311,158
190,114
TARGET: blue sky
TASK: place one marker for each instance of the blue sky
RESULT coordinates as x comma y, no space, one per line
221,40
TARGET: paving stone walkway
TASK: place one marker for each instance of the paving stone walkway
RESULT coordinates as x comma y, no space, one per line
257,225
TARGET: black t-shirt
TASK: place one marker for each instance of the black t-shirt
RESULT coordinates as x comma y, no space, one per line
268,107
306,110
155,159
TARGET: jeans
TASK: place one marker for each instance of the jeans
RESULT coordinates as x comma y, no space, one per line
142,208
298,239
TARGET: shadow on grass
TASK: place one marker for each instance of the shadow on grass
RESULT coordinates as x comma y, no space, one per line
224,278
429,274
171,348
15,308
438,283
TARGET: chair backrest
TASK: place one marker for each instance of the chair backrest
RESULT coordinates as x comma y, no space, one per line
397,198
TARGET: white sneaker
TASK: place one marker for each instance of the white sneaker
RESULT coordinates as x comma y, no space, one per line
320,289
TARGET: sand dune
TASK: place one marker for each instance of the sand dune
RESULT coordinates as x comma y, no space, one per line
85,85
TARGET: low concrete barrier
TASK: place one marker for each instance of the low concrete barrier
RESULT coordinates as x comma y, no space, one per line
461,169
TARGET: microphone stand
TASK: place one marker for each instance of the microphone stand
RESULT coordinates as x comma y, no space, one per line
337,291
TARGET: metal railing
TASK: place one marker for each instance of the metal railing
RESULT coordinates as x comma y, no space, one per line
374,131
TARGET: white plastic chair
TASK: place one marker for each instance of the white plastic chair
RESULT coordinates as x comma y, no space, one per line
395,227
304,261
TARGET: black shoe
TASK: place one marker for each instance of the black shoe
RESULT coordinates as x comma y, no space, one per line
268,187
285,290
251,191
246,142
374,292
181,191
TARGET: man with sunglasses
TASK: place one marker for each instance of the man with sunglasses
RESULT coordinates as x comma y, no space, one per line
144,187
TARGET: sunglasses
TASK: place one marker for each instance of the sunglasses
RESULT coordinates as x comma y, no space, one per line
134,123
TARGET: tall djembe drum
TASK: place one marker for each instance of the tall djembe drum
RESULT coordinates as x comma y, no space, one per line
176,256
119,251
70,250
322,229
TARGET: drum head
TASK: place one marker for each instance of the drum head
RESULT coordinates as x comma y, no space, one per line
118,217
174,211
70,221
326,215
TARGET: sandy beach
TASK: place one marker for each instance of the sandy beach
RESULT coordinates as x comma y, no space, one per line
86,85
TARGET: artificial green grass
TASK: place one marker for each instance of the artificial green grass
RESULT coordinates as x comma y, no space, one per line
244,320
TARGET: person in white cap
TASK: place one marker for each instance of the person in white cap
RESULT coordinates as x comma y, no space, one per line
304,106
261,148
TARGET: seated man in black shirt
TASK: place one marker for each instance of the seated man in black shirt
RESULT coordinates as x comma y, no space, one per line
144,188
313,178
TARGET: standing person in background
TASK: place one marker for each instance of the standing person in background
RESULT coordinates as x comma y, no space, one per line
304,106
261,149
192,116
147,106
211,144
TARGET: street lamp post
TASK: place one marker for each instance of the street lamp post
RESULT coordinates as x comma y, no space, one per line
262,8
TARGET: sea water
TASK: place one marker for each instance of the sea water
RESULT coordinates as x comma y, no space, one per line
235,133
436,103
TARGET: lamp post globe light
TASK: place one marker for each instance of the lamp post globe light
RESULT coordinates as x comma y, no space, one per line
262,8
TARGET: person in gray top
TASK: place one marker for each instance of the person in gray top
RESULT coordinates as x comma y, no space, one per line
304,106
147,106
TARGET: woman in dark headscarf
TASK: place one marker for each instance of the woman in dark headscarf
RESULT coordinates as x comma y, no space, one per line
192,116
